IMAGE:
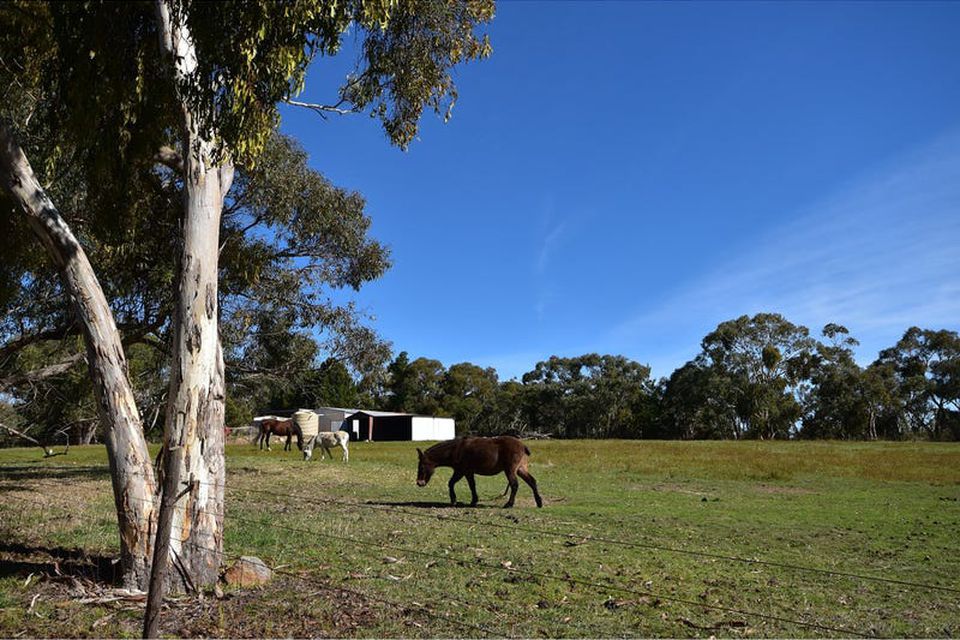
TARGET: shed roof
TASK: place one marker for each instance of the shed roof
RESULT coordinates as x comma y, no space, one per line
379,414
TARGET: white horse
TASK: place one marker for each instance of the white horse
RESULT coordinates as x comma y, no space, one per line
328,440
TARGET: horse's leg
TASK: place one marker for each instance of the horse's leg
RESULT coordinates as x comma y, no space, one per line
473,490
453,480
514,485
269,433
523,473
346,454
286,446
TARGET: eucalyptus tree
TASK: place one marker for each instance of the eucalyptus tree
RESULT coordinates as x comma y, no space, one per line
41,96
591,395
836,405
468,393
197,88
424,379
886,417
767,359
926,365
507,411
698,402
277,314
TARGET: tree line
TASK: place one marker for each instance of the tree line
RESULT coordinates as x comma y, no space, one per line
759,377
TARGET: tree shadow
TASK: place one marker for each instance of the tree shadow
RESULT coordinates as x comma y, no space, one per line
22,560
18,477
419,504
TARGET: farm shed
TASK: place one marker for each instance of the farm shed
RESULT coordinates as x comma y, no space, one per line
331,418
384,425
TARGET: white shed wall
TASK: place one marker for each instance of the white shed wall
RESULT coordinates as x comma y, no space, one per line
427,428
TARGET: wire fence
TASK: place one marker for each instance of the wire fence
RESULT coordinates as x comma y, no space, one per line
465,564
576,536
588,537
469,564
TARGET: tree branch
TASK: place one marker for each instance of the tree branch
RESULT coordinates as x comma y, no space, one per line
43,373
58,333
321,109
47,452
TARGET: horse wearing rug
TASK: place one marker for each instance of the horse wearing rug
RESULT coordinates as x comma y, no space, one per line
328,440
276,426
484,456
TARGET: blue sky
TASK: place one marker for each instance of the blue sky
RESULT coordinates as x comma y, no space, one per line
621,177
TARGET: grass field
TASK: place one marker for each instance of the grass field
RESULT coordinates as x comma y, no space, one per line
636,538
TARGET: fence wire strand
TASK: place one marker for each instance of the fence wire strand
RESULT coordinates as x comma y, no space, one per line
607,588
605,540
465,563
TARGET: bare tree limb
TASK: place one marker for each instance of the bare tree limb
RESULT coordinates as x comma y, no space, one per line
44,372
47,452
321,109
51,334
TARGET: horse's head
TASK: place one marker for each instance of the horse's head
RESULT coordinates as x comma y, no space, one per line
425,469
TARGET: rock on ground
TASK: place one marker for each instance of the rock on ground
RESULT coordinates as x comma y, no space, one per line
248,571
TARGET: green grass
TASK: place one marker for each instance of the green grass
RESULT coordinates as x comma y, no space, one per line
627,545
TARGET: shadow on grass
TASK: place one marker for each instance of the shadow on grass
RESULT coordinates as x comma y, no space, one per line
418,504
14,477
21,560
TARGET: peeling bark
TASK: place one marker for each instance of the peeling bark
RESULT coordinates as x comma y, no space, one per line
134,485
195,411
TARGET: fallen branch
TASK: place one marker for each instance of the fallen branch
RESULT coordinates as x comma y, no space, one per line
47,452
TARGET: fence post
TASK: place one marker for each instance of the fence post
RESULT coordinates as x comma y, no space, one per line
161,545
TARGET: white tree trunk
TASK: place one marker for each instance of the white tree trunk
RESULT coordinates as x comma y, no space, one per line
134,486
195,407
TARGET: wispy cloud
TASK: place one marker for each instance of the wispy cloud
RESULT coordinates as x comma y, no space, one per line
553,234
549,245
879,256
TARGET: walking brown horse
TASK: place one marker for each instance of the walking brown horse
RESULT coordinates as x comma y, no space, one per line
484,456
279,427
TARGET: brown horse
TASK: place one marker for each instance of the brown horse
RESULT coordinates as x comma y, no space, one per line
484,456
279,427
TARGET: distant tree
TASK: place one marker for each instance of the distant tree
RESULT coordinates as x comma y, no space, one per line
506,414
881,396
331,385
425,379
926,364
589,396
397,394
835,406
767,360
468,393
699,402
414,387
